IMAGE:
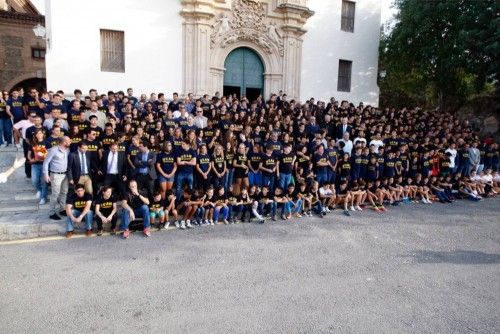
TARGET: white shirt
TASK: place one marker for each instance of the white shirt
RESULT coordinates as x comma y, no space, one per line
377,143
200,122
348,145
112,166
359,139
453,153
23,125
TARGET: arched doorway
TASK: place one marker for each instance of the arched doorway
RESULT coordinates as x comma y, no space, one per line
244,74
39,83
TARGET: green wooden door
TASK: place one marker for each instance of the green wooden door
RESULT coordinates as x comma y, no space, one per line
244,72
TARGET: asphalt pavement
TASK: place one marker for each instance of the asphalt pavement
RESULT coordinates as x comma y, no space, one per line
416,269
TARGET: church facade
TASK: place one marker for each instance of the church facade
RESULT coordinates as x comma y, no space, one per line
305,48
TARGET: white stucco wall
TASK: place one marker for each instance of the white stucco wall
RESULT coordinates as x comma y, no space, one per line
153,45
324,44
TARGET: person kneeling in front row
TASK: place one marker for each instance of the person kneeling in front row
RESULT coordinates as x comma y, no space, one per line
135,205
77,209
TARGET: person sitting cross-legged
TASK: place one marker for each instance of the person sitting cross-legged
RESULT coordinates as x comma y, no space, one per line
77,209
135,205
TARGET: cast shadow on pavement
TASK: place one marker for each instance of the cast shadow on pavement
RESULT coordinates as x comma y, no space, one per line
455,257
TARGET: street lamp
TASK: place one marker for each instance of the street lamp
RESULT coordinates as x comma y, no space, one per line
383,73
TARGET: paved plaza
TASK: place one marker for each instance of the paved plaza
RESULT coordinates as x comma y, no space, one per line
419,268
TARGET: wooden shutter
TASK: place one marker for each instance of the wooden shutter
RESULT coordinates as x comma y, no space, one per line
112,51
347,20
344,81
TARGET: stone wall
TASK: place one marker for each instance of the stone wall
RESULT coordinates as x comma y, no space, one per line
16,40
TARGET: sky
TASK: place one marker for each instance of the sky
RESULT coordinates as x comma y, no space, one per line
387,11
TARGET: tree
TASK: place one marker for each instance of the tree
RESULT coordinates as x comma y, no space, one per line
440,51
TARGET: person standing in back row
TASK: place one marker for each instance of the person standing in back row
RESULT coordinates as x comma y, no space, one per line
54,169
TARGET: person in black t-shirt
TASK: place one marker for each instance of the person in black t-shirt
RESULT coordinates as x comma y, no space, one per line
105,210
135,204
286,163
77,209
269,167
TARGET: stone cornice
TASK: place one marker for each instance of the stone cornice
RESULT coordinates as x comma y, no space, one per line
20,18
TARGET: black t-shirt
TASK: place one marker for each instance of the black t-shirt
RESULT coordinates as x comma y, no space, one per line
105,205
78,203
241,159
157,204
135,202
286,163
268,162
255,160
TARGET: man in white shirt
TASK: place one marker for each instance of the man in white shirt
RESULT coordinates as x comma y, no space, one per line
200,121
376,142
347,143
101,116
453,154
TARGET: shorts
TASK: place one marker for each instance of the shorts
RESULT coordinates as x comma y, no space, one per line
163,179
156,214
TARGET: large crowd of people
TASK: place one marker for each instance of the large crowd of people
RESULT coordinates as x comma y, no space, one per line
210,160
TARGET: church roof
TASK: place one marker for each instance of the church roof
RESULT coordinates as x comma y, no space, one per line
21,11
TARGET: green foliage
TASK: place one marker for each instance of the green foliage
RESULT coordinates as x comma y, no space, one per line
440,52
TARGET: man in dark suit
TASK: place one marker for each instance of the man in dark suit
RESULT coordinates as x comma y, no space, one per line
80,167
342,128
145,166
112,168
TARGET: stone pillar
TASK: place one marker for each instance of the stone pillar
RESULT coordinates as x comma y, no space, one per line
196,46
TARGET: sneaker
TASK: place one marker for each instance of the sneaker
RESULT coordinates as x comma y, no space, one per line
55,217
42,201
274,218
38,194
261,221
358,208
62,213
188,224
99,233
309,213
113,232
147,232
3,145
126,234
176,223
211,222
183,225
327,209
167,224
88,233
69,234
347,213
352,208
225,221
19,146
382,208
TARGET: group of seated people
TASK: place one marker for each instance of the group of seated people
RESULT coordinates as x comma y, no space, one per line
198,162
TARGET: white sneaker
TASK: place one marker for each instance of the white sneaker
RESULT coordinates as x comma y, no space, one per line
211,222
327,210
19,146
3,145
38,194
176,224
183,225
188,223
352,208
358,208
167,224
42,201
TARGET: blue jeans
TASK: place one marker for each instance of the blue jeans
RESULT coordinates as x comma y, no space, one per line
221,209
234,211
5,130
269,181
38,181
255,178
142,212
179,183
89,218
269,208
297,206
322,177
285,208
228,179
285,180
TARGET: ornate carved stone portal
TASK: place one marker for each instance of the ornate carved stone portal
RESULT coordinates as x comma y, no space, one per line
272,28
